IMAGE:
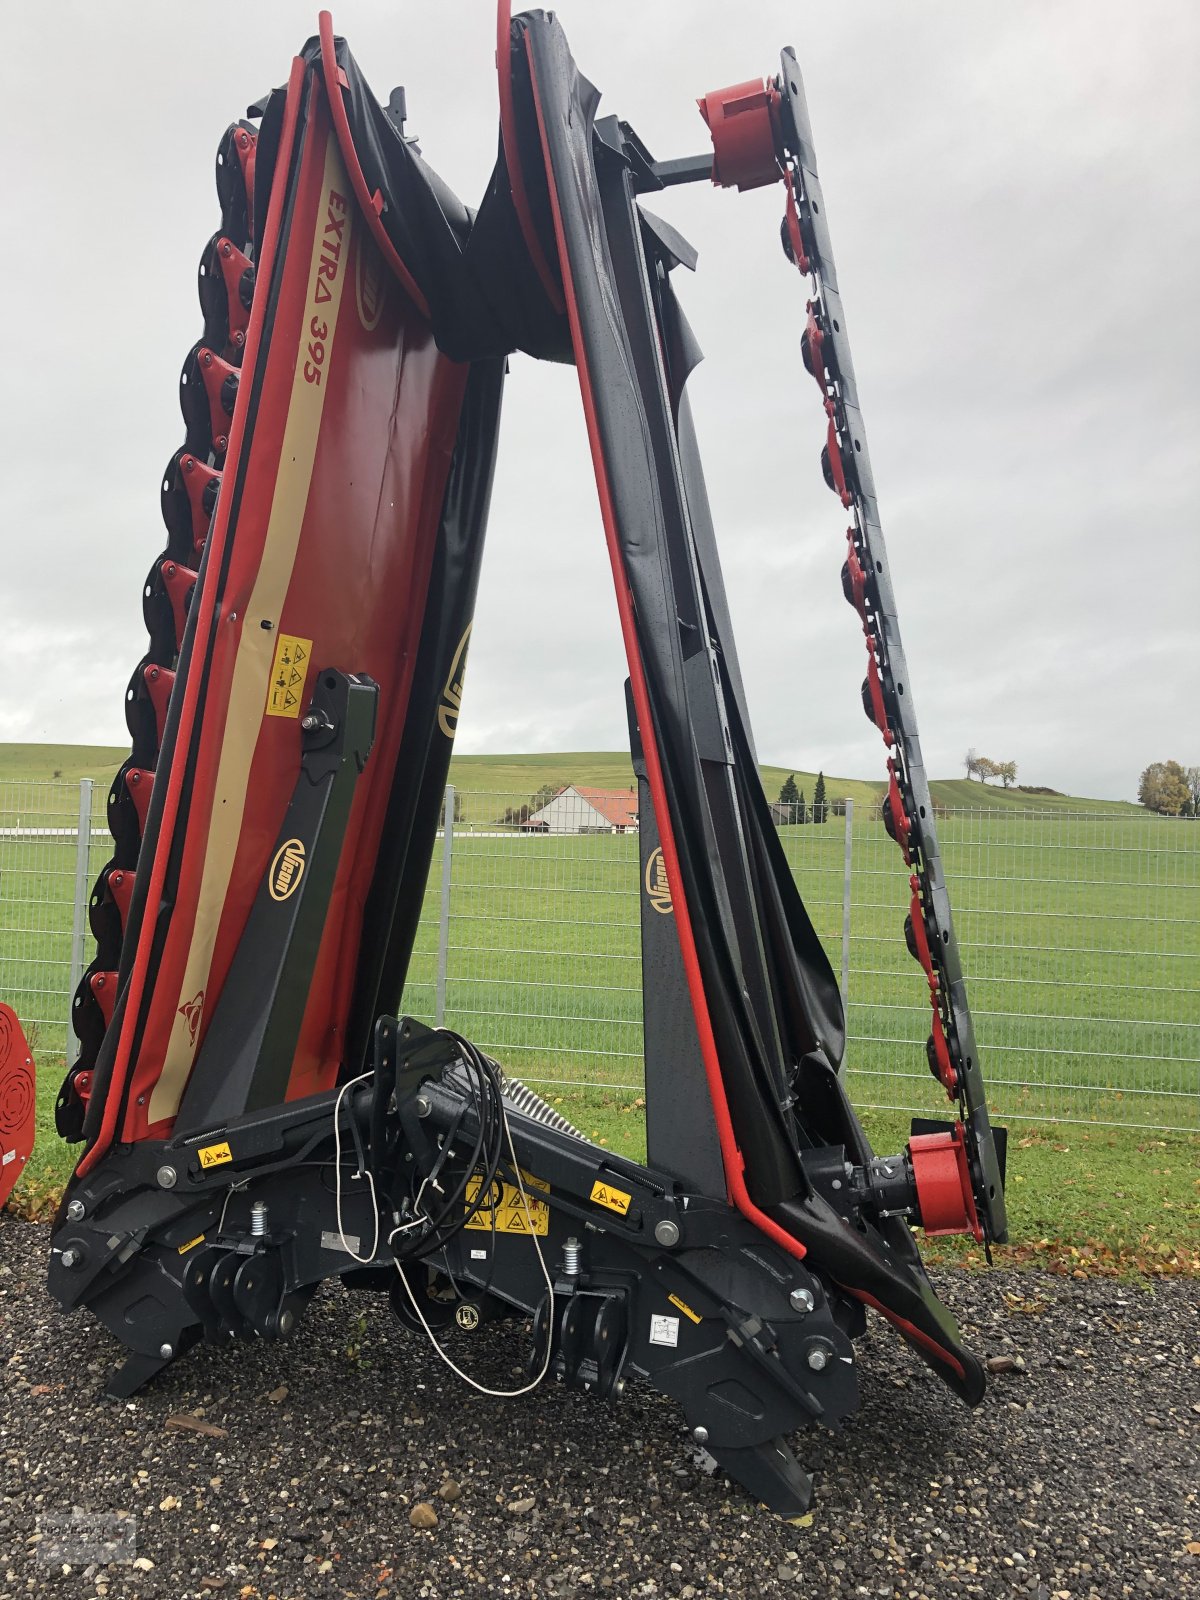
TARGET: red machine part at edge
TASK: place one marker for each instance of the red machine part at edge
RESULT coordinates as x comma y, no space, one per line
17,1101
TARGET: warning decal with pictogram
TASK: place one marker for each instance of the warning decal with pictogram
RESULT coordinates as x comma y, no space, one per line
507,1210
288,672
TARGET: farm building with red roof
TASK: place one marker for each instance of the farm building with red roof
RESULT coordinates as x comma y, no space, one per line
579,810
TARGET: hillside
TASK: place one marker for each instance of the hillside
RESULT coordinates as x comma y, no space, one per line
490,783
512,779
967,794
33,763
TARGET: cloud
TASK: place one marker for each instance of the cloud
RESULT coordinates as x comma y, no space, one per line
1013,198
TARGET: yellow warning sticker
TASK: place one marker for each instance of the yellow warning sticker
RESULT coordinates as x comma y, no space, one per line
508,1209
686,1309
191,1244
615,1199
287,676
214,1155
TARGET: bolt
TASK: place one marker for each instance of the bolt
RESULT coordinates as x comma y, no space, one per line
309,722
71,1257
700,1435
802,1300
667,1232
76,1211
818,1359
287,1321
167,1177
166,1351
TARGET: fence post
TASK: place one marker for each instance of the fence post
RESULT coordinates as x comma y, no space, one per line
846,905
83,884
444,920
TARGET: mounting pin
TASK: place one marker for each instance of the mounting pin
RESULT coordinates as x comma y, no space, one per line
801,1300
667,1232
76,1211
700,1434
167,1177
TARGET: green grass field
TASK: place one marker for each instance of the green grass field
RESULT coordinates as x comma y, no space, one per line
1081,941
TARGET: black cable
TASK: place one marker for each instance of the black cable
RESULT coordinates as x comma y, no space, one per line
456,1210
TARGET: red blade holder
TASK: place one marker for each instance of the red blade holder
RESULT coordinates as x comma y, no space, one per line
943,1180
17,1101
742,122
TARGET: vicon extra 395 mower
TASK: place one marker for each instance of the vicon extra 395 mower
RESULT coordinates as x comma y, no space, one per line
257,1113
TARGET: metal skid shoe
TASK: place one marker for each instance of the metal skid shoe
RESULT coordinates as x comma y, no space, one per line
743,1382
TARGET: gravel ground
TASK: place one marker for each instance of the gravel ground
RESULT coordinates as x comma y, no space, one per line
1077,1477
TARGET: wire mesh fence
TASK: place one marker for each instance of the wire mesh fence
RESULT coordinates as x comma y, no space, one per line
1080,934
50,852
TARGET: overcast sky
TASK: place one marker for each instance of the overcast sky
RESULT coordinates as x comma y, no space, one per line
1013,194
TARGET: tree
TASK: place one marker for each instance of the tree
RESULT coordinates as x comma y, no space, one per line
985,769
971,762
789,800
820,809
1192,774
801,807
1007,771
544,795
1164,788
